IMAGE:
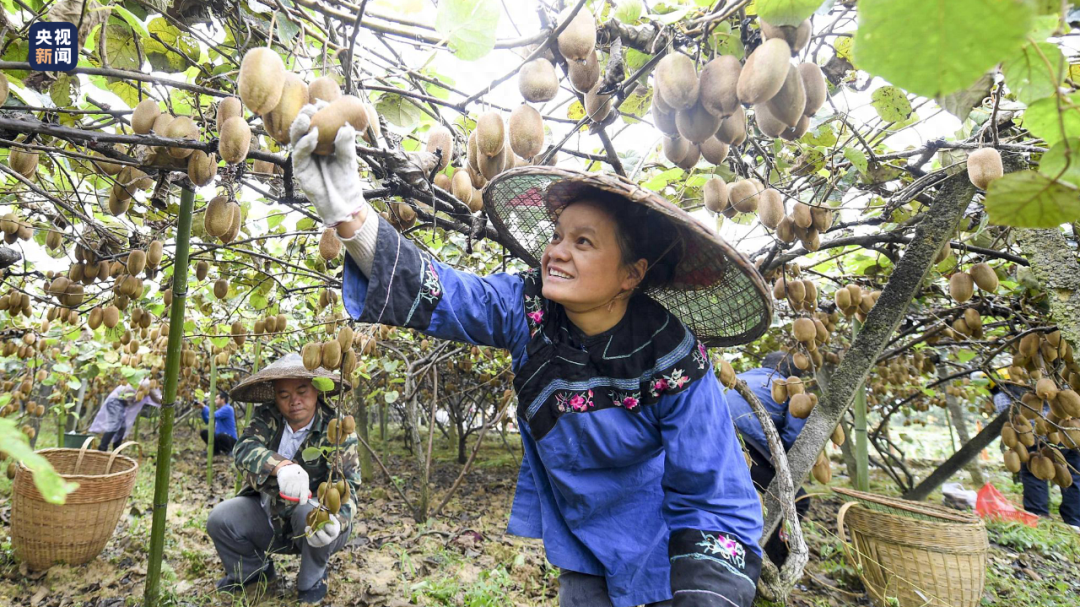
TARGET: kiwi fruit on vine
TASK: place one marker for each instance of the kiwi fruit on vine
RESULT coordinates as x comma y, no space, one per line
144,115
769,125
227,108
597,105
235,140
718,84
329,244
690,160
984,166
796,131
745,195
94,319
803,328
795,35
815,87
584,74
771,208
821,469
664,121
154,253
677,81
461,186
221,288
261,80
104,166
697,124
201,270
764,72
331,354
801,215
442,181
732,130
838,437
294,95
578,39
984,277
182,127
324,88
234,225
345,109
526,131
110,316
961,286
715,194
490,134
788,103
440,138
714,151
490,166
136,262
821,218
778,390
800,405
1012,461
218,216
402,215
23,163
202,167
537,81
675,148
312,355
727,374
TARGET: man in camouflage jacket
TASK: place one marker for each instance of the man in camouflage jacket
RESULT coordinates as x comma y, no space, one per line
269,514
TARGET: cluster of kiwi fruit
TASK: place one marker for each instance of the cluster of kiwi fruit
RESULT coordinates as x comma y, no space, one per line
15,229
962,284
853,300
223,219
332,354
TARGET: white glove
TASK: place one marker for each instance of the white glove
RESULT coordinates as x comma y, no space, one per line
324,536
331,182
293,483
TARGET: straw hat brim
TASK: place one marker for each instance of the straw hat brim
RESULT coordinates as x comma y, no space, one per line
259,387
715,290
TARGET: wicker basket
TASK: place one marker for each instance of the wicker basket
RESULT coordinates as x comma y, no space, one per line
75,532
919,554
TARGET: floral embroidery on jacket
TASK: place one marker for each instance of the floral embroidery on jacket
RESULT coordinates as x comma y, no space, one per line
431,288
630,401
579,402
700,356
673,381
534,304
726,547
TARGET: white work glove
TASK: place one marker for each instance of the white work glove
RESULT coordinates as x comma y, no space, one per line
293,483
324,536
331,182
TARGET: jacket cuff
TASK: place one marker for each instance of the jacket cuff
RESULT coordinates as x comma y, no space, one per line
711,568
361,247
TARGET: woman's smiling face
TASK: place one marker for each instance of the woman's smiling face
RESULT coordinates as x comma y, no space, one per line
582,267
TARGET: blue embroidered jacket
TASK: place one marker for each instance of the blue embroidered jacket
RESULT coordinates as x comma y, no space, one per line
760,382
631,466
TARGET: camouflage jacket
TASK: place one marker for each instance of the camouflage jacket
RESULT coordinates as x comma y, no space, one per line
255,456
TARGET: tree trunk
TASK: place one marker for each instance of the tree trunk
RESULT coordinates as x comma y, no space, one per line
366,470
966,453
462,444
934,230
959,421
412,435
1054,265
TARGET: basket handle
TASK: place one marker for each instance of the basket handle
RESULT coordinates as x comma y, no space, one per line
116,452
82,452
849,550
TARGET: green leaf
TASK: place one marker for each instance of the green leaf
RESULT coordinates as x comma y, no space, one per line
891,104
398,110
1062,162
120,48
469,26
1045,122
857,158
311,454
961,102
1026,199
323,384
391,396
628,11
576,111
921,46
305,223
60,91
786,12
1035,71
50,484
274,221
131,19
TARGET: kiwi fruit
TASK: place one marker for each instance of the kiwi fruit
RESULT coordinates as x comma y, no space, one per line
584,74
578,39
795,35
697,124
144,115
110,317
54,240
677,81
221,288
765,71
815,87
771,208
690,160
294,95
461,186
527,131
714,151
333,496
664,121
727,374
537,81
984,277
329,244
201,270
715,194
24,163
745,195
372,123
235,140
800,405
234,225
1069,401
324,88
136,262
732,130
490,166
802,215
346,109
202,167
331,354
261,80
312,355
675,148
227,108
769,125
108,168
182,127
788,103
3,97
154,253
798,130
1046,389
838,437
803,328
961,286
440,138
597,106
490,134
778,390
984,166
718,85
94,319
218,216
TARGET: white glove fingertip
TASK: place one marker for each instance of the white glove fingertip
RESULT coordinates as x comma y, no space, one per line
303,148
345,142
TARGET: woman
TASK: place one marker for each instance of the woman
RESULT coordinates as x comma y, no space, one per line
632,473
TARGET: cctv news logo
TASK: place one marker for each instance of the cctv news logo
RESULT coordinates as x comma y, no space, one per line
52,46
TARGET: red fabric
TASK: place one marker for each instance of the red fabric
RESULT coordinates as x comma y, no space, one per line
992,504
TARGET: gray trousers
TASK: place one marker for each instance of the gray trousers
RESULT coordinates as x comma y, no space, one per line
583,590
243,536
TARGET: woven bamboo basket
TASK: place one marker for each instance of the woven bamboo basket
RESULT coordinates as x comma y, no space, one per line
75,532
914,552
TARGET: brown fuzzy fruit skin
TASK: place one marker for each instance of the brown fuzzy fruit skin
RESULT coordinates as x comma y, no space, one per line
961,286
764,72
227,108
440,138
788,104
578,39
218,216
795,35
771,208
802,215
154,253
798,130
744,195
294,95
526,131
597,106
732,130
108,168
324,88
234,225
664,121
182,127
984,277
718,85
537,81
261,80
201,270
714,151
221,288
800,405
675,148
24,163
769,125
144,115
697,124
110,317
346,109
3,89
461,186
490,134
984,166
815,86
690,160
136,262
312,355
584,74
329,244
202,168
715,193
490,166
331,354
235,140
677,81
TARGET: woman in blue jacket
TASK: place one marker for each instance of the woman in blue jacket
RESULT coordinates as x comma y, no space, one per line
632,474
224,424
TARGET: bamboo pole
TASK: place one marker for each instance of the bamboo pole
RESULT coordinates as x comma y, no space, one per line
212,401
250,408
168,405
862,453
